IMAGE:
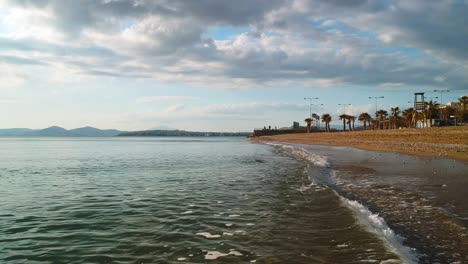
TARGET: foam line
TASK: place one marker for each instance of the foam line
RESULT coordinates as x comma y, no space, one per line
301,153
377,225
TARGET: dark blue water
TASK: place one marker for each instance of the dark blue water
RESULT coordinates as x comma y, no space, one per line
167,200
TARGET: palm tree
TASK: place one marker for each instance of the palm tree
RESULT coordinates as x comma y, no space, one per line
364,117
308,122
326,118
408,116
350,119
343,117
395,112
463,101
431,110
380,116
315,119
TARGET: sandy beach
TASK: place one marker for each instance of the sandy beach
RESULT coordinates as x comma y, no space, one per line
449,142
421,199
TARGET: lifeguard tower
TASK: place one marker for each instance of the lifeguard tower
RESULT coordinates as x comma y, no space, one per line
419,113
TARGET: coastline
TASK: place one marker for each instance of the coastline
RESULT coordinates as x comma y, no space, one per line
420,199
450,142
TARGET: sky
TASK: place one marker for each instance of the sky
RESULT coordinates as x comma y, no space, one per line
212,65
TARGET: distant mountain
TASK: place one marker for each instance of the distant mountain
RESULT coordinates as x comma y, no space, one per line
92,131
17,131
53,131
56,131
182,133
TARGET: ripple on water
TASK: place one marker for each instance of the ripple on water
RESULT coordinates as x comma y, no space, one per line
156,201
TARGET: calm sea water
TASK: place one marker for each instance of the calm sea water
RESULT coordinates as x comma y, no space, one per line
178,200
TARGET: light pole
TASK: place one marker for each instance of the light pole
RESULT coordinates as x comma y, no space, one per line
441,94
376,98
344,107
310,106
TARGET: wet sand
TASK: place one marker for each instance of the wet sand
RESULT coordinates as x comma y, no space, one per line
423,199
449,142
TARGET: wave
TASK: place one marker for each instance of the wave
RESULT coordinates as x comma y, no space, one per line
371,221
377,225
301,153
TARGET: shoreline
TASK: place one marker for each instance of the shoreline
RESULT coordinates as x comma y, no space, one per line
420,200
449,142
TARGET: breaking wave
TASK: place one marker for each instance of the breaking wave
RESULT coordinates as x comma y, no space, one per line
301,153
371,221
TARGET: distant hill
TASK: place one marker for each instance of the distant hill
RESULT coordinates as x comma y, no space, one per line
181,133
56,131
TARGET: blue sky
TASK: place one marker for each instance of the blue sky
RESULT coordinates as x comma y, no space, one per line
222,65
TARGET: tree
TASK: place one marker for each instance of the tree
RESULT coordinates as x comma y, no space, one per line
431,110
326,118
463,101
315,119
408,117
381,115
308,122
395,112
343,117
364,118
350,120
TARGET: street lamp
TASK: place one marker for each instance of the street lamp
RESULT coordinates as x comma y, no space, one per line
310,106
441,94
344,107
376,98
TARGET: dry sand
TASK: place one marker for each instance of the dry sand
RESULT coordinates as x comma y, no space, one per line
449,142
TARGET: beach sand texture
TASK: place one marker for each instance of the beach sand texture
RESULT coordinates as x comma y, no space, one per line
449,142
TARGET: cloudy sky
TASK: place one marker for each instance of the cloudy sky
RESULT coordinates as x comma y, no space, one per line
222,65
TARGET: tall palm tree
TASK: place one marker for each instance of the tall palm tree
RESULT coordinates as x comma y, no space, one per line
381,115
343,117
364,118
308,122
463,101
431,110
395,112
326,118
351,120
315,119
408,117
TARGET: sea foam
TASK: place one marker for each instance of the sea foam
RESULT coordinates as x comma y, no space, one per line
376,224
315,159
373,222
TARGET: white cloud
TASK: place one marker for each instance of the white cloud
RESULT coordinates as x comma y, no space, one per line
11,77
325,43
166,98
252,108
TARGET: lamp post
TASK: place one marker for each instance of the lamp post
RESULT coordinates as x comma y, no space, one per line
376,98
441,94
310,104
344,107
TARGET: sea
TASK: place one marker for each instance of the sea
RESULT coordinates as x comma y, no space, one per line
225,200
